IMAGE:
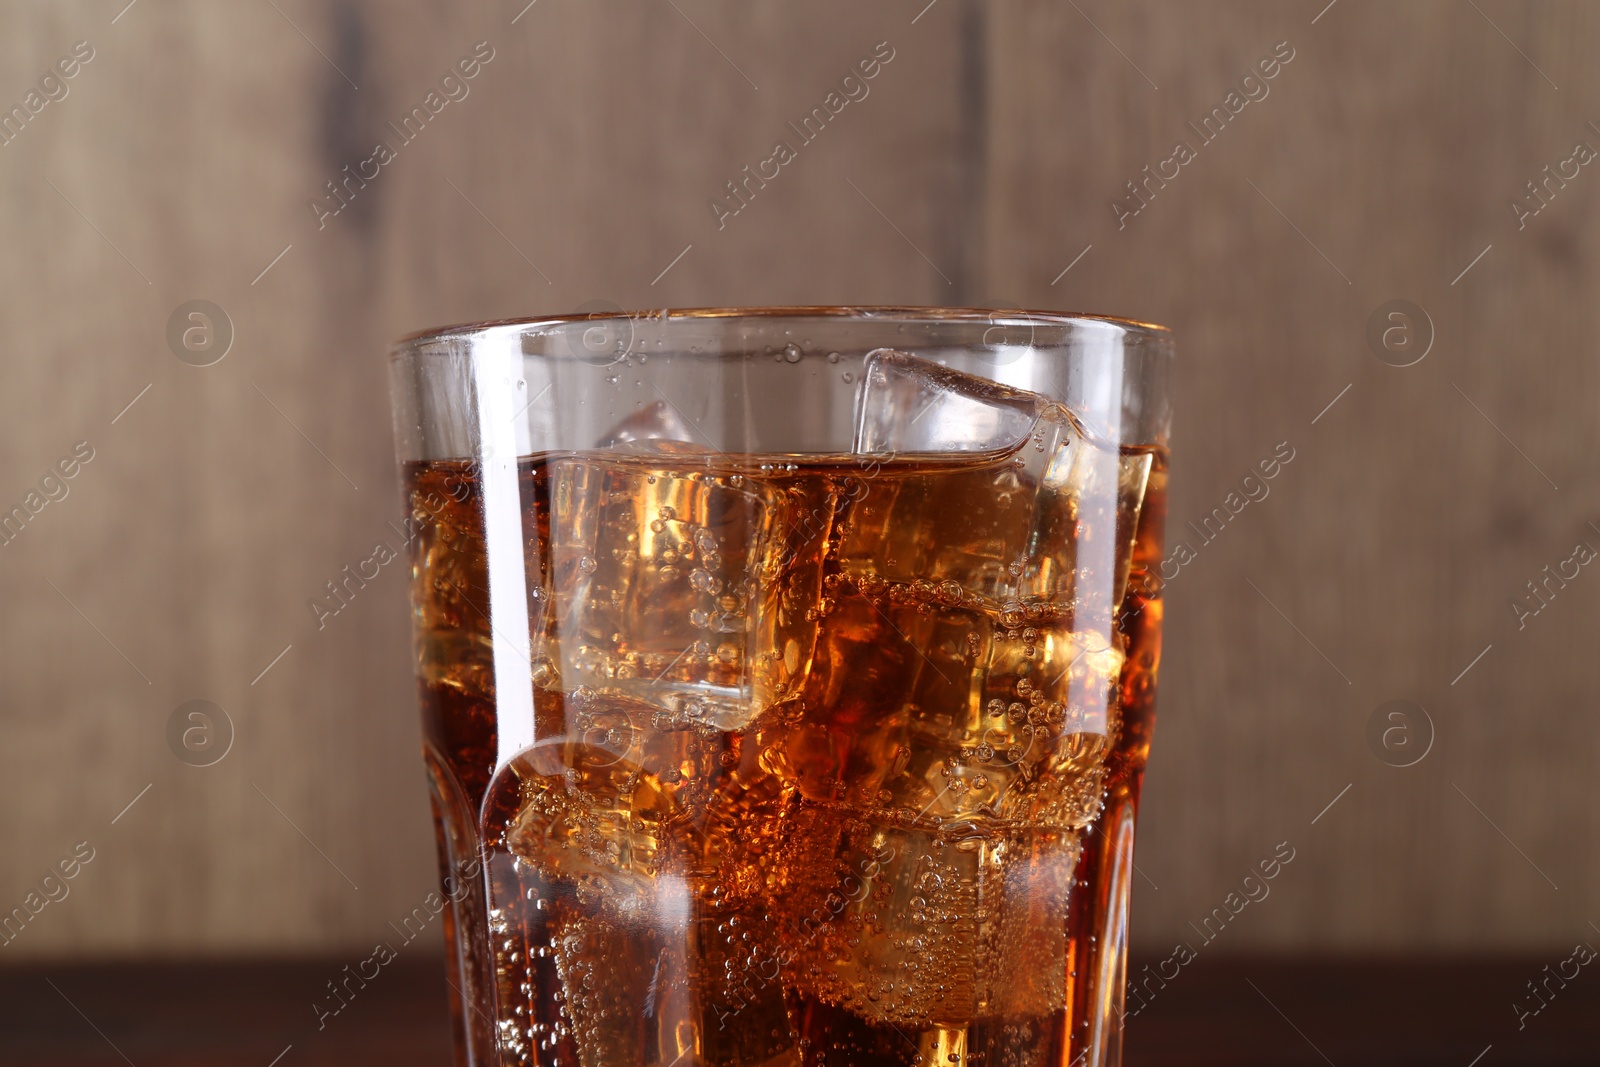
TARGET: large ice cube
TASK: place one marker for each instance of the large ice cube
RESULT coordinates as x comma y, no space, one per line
630,867
1053,516
681,580
966,665
658,425
904,923
909,405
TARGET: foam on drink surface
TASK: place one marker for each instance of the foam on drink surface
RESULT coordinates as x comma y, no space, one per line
819,739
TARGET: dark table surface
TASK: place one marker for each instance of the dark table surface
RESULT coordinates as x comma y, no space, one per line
1274,1011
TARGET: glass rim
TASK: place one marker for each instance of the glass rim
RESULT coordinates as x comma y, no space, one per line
411,342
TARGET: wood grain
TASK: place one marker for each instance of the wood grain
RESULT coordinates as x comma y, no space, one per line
981,164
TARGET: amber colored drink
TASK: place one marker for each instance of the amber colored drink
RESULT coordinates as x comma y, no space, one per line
826,748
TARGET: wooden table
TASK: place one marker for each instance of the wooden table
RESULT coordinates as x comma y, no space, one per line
1241,1013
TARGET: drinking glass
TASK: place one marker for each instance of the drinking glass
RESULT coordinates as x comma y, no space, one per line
787,678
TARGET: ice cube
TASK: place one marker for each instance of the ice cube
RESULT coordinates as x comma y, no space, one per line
681,582
906,404
631,862
1052,513
965,665
652,426
907,924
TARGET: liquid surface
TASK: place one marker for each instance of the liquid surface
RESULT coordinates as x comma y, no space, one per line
822,747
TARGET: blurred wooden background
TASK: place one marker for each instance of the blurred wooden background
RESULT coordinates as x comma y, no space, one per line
982,163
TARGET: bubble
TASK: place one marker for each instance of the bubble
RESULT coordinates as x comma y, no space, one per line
791,352
588,564
833,357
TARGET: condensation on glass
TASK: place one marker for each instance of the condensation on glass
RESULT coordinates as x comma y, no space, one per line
787,679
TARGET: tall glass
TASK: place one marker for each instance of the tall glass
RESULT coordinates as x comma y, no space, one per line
787,679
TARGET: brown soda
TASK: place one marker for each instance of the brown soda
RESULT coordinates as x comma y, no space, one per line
831,752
